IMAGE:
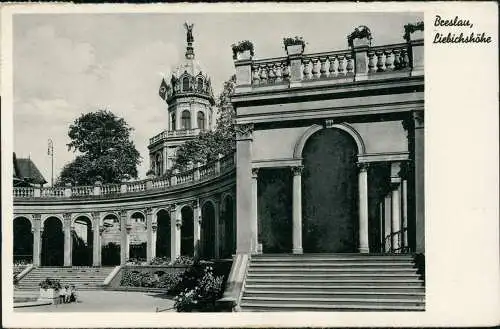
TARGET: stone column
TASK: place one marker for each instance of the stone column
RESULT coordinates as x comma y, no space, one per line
244,210
96,243
149,234
67,239
124,243
175,232
404,198
37,231
396,217
363,208
217,229
297,209
396,205
154,232
254,221
197,228
387,223
418,117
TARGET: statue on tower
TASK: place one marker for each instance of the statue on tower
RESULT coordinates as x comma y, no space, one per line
189,29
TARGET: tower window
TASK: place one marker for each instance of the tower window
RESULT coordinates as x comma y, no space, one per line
186,120
159,164
201,120
200,84
174,121
185,84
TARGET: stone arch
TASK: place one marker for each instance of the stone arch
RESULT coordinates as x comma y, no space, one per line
82,240
208,228
301,142
28,217
157,210
110,239
74,217
22,230
45,217
187,230
206,200
52,253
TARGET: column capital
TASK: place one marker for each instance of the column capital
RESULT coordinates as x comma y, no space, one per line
255,172
67,216
148,211
244,131
122,213
297,170
95,214
418,118
363,166
37,216
195,204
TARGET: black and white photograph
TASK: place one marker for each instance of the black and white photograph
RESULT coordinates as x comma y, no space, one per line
170,162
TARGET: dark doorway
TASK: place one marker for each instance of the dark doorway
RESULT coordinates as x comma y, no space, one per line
228,229
208,231
110,251
163,234
23,241
330,189
275,210
52,242
187,232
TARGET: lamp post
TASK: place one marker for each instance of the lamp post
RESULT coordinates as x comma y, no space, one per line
50,152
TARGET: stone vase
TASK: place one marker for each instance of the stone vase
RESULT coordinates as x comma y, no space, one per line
361,42
49,294
244,55
417,35
294,50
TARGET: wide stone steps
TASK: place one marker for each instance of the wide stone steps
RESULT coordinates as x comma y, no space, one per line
309,307
84,278
335,282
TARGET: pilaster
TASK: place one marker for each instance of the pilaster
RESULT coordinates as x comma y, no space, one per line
96,231
37,231
67,239
363,246
244,208
297,209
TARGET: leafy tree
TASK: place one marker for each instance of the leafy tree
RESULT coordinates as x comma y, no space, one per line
107,153
207,145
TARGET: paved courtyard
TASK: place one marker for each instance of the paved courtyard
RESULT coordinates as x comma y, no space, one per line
110,301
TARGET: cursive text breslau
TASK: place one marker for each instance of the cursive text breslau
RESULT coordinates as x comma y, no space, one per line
459,37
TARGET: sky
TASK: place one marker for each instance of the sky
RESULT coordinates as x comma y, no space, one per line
69,64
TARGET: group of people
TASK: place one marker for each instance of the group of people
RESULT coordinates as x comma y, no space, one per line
67,294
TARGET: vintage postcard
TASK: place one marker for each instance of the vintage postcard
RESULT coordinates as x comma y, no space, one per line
228,165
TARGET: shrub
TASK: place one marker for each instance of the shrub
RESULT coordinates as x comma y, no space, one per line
183,260
160,261
294,42
49,283
200,288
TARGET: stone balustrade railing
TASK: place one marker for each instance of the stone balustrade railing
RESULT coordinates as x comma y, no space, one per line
173,133
359,62
201,172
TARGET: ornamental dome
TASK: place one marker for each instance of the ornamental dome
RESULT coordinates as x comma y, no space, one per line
188,78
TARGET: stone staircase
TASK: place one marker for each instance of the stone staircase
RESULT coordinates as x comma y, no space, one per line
333,282
84,278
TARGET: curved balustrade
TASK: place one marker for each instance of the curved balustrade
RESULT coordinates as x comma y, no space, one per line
51,192
207,171
388,58
173,133
24,192
82,190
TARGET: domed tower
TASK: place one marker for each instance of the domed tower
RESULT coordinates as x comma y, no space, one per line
190,103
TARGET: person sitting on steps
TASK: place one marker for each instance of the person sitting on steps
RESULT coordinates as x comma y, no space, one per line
73,294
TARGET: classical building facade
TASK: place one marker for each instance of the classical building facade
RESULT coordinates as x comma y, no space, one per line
336,138
329,159
190,101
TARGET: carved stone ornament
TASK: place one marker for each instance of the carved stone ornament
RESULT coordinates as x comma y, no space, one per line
95,215
67,216
154,227
37,216
255,172
148,211
101,229
178,222
297,171
329,123
418,116
243,131
363,166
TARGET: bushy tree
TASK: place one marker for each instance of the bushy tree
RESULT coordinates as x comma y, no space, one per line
207,145
107,153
